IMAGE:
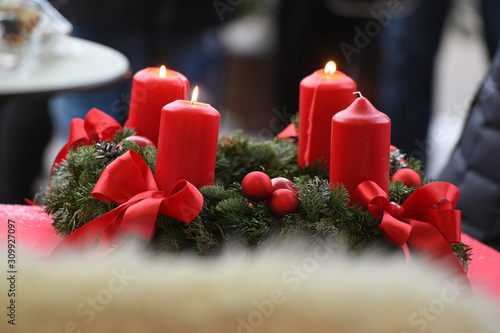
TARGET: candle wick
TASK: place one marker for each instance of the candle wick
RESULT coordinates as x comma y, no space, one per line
358,92
192,102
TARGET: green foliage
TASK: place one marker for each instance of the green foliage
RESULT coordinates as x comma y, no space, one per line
398,192
237,156
69,197
123,133
227,217
463,253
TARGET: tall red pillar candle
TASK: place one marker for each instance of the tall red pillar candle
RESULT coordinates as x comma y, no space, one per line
360,147
152,89
322,94
187,146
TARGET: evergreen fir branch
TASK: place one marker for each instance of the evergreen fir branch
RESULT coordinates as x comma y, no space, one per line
399,192
286,160
316,169
359,230
62,212
171,236
81,159
129,145
89,207
74,179
207,237
339,199
463,253
427,180
292,226
227,217
149,154
326,226
232,209
417,165
238,155
123,133
314,197
215,192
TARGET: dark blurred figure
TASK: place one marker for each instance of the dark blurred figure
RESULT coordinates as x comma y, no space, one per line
315,31
475,162
25,130
409,46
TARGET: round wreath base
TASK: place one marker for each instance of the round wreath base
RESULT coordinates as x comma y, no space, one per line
228,218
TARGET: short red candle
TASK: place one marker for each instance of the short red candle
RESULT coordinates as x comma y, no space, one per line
360,147
322,94
151,91
187,146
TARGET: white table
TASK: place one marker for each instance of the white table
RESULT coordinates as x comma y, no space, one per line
88,66
23,105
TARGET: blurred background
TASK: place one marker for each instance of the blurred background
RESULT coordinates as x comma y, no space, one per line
248,57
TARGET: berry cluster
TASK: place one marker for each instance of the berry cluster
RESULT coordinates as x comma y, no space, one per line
279,193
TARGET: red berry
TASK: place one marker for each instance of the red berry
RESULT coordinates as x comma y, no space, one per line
283,202
396,210
256,186
408,176
140,140
282,182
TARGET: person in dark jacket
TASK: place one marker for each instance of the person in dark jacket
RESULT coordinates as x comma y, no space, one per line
409,47
474,166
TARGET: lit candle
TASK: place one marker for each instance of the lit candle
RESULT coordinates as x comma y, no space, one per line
152,89
322,94
187,145
360,147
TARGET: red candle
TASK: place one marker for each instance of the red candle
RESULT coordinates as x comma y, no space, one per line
152,89
187,146
322,94
360,147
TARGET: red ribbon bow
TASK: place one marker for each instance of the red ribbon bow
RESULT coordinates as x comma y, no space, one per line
288,133
427,220
97,126
128,181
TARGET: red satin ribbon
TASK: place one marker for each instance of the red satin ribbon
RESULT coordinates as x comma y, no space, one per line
128,181
97,126
427,220
289,132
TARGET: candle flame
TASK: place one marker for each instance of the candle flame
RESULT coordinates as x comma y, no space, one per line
163,72
330,68
194,97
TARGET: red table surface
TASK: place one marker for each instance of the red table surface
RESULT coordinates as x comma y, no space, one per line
36,237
